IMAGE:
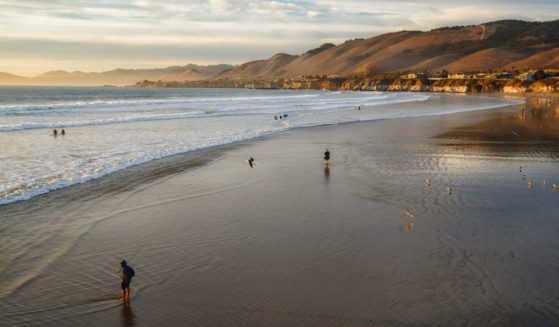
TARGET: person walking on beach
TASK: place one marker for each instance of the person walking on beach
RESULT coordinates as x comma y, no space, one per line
126,274
55,132
63,132
326,156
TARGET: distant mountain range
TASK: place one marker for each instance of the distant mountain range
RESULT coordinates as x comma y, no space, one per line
500,45
118,77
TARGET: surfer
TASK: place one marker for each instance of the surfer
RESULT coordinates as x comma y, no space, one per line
326,156
126,274
55,132
251,162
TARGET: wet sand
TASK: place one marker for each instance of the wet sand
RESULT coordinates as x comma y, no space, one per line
290,242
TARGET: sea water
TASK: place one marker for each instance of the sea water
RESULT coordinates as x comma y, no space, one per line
109,129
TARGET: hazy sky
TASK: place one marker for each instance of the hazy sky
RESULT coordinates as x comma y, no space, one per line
96,35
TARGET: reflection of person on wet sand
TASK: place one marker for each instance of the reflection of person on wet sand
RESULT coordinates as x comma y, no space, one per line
126,274
127,315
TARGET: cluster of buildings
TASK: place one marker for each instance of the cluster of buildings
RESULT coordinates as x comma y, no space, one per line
531,75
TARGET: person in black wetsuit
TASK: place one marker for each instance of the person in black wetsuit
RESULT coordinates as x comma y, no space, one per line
126,274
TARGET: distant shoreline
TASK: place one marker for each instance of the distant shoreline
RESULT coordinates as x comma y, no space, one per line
510,86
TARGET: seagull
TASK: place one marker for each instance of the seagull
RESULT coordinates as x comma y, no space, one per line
449,189
530,184
427,182
408,213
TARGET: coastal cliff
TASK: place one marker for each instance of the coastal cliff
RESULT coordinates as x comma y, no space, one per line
419,85
377,84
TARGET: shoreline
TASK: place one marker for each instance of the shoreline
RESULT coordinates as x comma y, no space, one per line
137,166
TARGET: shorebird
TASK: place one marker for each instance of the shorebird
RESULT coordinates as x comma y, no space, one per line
520,169
523,176
530,184
555,187
408,213
449,190
427,182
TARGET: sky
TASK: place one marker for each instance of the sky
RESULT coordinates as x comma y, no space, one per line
98,35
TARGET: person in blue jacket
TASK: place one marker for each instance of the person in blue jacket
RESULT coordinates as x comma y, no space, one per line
126,274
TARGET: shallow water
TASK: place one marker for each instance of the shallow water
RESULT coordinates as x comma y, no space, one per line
363,242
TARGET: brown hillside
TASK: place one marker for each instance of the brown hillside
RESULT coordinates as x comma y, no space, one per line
489,59
548,58
260,68
489,46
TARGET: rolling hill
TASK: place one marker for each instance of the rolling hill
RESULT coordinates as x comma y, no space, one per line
119,77
491,46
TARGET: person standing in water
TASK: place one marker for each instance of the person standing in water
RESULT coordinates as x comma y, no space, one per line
126,274
326,156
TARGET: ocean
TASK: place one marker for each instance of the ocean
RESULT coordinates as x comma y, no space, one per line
110,129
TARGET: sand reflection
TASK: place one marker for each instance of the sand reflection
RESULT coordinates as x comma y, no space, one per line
127,316
537,120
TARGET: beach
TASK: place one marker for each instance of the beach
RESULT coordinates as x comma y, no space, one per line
363,241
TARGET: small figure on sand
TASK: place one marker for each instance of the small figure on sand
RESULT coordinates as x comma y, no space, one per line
251,162
326,156
55,133
126,274
359,108
63,132
275,117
